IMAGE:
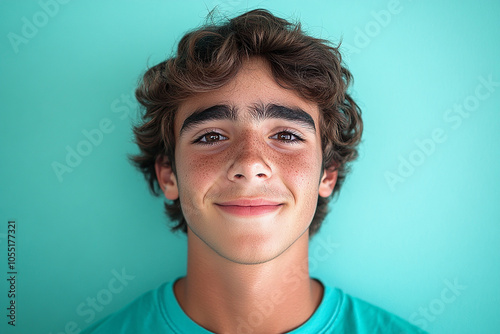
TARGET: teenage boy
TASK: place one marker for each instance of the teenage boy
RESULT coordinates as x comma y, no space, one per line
248,131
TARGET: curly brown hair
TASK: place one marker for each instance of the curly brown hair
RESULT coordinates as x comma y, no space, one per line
209,57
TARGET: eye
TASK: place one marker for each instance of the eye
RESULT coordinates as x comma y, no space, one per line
287,137
210,138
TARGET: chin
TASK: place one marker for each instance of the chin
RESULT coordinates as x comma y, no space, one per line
256,249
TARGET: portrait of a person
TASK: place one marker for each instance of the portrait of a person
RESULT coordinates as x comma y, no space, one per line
248,131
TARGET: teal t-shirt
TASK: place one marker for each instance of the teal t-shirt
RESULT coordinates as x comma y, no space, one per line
158,311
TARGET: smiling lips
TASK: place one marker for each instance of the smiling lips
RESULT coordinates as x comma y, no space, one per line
249,207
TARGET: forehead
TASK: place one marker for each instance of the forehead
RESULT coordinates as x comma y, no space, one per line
253,85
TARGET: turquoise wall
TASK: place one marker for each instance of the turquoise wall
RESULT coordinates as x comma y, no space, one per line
416,229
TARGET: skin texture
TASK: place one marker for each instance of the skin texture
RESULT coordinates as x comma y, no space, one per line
241,253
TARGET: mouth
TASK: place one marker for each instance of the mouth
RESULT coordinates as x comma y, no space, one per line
249,207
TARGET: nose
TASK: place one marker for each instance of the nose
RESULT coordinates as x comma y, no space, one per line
249,163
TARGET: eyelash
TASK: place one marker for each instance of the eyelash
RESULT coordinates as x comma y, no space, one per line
290,132
201,140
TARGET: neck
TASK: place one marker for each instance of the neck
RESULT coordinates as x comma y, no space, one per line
227,297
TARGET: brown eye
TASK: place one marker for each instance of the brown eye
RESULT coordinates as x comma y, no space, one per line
211,138
284,136
287,137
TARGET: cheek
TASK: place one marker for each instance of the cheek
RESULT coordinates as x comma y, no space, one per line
302,170
301,175
196,172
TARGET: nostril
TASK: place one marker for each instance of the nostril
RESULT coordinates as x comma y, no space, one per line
261,175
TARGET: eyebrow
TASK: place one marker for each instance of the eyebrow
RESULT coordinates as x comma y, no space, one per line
261,112
258,112
216,112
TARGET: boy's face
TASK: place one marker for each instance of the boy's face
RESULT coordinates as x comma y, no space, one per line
248,160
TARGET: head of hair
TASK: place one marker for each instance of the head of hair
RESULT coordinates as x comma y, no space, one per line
209,57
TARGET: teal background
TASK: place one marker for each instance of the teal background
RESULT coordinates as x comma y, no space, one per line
394,246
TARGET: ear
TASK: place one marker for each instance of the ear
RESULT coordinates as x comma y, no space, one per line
166,178
328,182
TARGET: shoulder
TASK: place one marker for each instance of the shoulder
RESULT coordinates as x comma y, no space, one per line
358,316
145,312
